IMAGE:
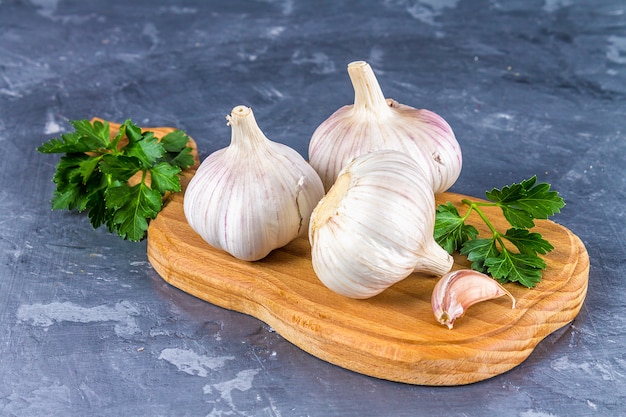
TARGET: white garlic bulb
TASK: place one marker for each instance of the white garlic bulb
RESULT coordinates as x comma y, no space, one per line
375,226
373,123
254,195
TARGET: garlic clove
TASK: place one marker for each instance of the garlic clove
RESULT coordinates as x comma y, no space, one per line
253,196
375,227
458,290
375,123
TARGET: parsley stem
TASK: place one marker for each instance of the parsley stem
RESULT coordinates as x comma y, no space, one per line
520,204
469,210
498,237
475,206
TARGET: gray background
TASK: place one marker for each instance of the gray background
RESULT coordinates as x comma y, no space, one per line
88,328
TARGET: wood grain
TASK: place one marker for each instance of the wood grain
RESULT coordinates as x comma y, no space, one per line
392,336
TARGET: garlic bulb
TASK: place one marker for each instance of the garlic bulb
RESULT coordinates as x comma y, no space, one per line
253,196
373,123
457,291
375,226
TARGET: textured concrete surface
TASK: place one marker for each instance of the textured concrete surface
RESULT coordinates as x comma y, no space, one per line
88,328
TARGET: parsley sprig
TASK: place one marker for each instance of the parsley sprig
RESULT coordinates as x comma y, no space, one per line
521,204
94,174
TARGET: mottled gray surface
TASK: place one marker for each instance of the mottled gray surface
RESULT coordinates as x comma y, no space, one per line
88,328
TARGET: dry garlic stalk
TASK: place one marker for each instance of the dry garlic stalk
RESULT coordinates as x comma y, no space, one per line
253,196
457,291
374,123
375,226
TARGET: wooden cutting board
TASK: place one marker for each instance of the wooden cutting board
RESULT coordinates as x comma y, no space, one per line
392,336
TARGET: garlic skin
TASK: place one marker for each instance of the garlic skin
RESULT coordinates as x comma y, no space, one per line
254,195
457,291
375,123
375,226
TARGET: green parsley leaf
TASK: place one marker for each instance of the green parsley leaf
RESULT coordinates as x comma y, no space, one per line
451,231
175,141
69,179
164,177
95,205
515,267
87,167
93,174
177,151
94,135
119,168
133,207
521,205
527,242
478,250
148,150
133,132
67,143
183,159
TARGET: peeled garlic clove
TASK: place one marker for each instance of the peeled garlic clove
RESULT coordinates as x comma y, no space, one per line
458,290
253,196
375,123
375,227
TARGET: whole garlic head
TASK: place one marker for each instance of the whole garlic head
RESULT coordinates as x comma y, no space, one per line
254,195
375,226
375,123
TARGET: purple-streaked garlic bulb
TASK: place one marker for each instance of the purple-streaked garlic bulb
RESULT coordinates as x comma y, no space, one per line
253,196
375,123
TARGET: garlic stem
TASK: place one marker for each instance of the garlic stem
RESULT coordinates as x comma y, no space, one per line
434,260
367,91
245,132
